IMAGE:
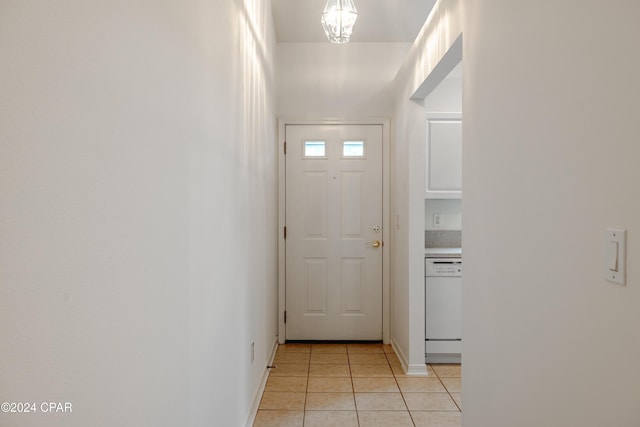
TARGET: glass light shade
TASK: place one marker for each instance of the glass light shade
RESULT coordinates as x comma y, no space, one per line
338,19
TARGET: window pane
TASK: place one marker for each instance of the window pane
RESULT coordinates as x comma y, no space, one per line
314,149
353,149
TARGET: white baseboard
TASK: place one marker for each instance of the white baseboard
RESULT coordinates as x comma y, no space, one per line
263,383
400,354
418,370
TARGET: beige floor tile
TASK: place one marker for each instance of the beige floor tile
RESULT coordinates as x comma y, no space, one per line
283,400
393,359
417,385
453,385
292,357
457,397
429,402
330,419
396,365
365,348
331,381
398,372
330,402
290,370
436,419
279,419
297,384
371,371
324,385
367,359
380,402
328,348
294,348
375,385
447,370
329,371
384,419
329,359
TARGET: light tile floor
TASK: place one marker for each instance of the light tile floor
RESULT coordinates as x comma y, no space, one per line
356,385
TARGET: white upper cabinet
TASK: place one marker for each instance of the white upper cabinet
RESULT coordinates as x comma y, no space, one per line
444,156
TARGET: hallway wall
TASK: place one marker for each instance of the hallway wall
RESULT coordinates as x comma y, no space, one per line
137,191
441,31
550,156
549,162
329,81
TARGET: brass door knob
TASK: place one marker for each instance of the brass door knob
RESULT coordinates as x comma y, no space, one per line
375,244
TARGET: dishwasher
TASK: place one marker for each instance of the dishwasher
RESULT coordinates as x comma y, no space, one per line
443,310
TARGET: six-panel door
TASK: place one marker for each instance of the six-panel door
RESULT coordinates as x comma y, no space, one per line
334,232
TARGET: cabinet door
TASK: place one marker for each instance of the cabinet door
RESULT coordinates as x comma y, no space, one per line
444,156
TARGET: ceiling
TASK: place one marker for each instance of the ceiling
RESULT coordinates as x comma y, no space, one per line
298,21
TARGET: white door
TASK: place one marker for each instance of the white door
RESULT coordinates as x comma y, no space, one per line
333,232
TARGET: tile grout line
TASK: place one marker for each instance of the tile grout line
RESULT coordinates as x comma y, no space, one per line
306,392
395,378
353,389
447,389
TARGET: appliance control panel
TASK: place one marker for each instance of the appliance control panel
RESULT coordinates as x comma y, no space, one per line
443,267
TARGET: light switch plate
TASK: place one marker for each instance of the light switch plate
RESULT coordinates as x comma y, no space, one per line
616,256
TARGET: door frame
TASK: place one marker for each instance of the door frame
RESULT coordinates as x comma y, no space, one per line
386,222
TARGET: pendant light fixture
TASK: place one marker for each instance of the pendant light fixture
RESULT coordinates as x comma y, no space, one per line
338,19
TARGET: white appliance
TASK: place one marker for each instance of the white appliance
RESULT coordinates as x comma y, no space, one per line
443,309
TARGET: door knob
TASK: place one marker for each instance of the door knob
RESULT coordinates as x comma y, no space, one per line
375,244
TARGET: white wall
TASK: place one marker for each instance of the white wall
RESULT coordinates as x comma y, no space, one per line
548,103
550,157
450,211
441,31
137,190
329,81
447,96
